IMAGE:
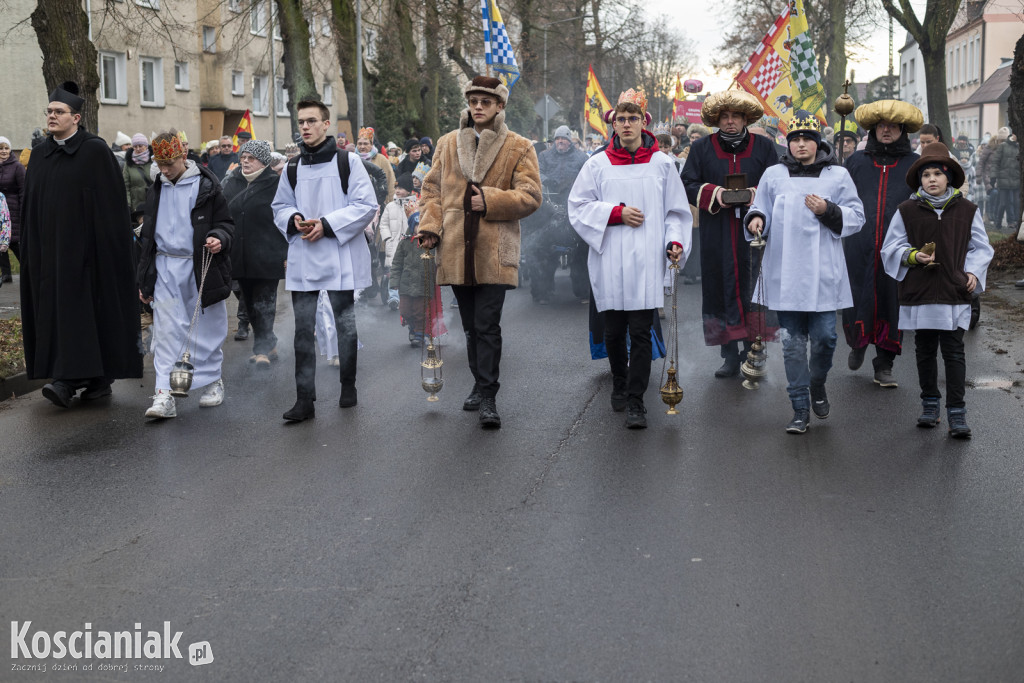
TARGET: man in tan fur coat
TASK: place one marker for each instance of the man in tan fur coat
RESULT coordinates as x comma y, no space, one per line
484,180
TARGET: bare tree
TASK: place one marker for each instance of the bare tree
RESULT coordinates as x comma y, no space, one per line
930,35
298,69
62,30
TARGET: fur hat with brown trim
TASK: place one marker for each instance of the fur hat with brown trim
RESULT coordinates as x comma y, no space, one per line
730,100
935,154
486,85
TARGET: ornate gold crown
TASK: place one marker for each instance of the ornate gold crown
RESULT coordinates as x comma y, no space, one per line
366,133
637,97
168,149
804,121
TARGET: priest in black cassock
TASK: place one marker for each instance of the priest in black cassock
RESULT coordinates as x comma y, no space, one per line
729,316
79,303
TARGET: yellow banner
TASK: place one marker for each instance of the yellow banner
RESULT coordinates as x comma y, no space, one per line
596,105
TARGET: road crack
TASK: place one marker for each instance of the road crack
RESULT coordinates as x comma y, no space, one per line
552,458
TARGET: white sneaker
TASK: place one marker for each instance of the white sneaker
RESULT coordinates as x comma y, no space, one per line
163,405
213,395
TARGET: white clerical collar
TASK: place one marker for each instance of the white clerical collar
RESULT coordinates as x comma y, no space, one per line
65,140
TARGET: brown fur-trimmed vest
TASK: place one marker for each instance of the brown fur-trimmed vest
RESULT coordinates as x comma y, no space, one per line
475,248
946,283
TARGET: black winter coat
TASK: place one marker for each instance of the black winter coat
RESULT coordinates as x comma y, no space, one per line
12,183
259,249
210,218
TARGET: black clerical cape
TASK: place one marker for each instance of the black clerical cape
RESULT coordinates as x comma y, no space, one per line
79,303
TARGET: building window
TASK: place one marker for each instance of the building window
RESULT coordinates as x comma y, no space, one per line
280,97
258,18
151,81
325,25
209,39
181,75
903,73
311,23
913,68
151,4
328,94
113,78
235,5
237,83
259,95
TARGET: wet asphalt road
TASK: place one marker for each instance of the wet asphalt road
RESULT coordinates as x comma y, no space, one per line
397,541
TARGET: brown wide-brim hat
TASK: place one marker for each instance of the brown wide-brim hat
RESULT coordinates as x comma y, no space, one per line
487,85
936,153
895,111
730,100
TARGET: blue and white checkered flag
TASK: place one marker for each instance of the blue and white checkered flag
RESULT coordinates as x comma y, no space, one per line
497,48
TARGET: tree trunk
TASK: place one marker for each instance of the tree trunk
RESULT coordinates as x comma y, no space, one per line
835,70
1015,106
298,68
935,83
931,38
62,29
431,71
344,15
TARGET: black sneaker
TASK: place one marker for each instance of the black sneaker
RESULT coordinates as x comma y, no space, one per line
619,396
242,333
474,399
798,425
958,428
489,418
348,396
59,393
636,415
96,388
302,410
856,358
930,414
819,402
884,378
730,368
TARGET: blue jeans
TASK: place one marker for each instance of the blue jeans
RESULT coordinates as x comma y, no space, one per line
820,329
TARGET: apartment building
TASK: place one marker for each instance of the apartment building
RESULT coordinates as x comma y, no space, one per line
982,36
195,65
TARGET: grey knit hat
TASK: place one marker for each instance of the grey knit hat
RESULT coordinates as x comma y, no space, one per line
259,149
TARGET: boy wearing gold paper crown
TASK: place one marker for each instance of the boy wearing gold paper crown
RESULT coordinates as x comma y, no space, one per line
629,205
804,206
187,218
938,251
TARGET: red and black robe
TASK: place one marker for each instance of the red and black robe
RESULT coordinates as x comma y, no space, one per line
724,252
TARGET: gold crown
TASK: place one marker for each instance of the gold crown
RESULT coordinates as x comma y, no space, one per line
804,121
637,97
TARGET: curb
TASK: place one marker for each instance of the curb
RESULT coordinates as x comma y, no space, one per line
18,385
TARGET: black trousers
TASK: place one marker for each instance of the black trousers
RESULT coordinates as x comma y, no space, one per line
927,343
261,304
243,313
631,368
480,308
304,306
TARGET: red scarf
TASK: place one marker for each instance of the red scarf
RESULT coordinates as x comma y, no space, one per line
620,156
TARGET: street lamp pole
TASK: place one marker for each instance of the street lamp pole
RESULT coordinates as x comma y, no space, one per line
544,27
359,66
